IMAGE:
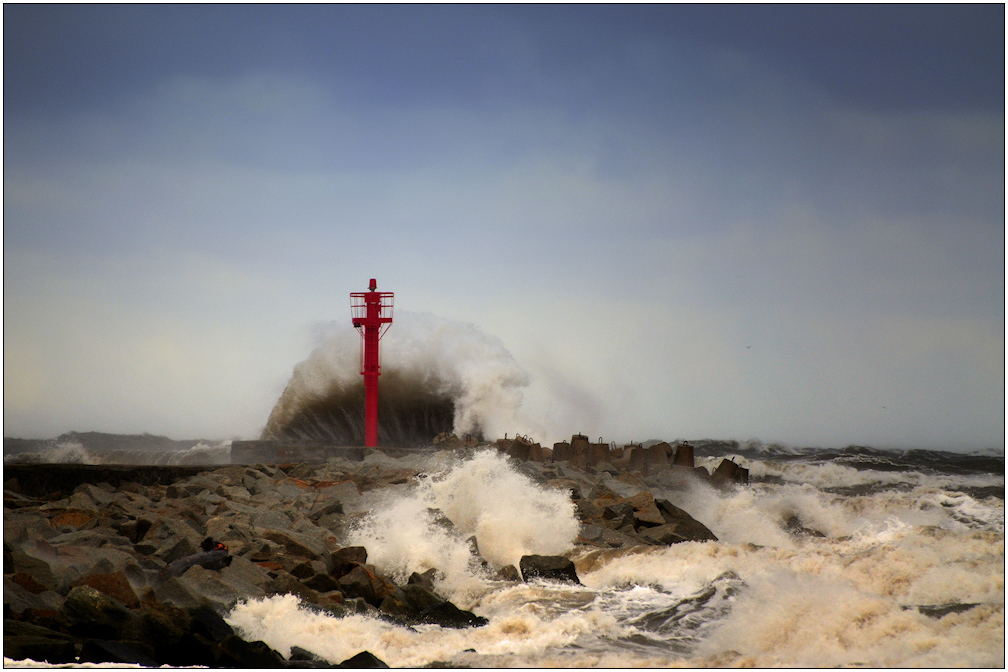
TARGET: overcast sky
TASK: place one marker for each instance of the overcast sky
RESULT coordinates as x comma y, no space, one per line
774,222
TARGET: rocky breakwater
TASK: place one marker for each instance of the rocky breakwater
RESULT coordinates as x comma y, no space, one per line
146,574
147,571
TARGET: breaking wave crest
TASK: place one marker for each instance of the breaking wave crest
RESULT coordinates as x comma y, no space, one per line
67,452
437,376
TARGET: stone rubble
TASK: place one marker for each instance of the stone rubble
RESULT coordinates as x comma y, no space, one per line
126,571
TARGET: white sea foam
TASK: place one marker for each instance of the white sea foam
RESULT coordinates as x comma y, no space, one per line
790,619
518,638
484,496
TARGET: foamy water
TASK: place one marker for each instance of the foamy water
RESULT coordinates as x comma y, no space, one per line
760,596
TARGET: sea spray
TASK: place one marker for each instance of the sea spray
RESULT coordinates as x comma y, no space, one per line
67,452
482,496
437,375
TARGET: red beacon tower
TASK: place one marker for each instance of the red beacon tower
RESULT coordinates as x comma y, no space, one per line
371,313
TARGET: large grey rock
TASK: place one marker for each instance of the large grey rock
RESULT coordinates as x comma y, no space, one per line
549,567
447,615
286,584
122,652
28,641
648,516
100,496
239,653
115,585
37,568
686,526
298,544
26,525
176,547
364,581
218,590
90,613
346,558
326,507
18,600
363,660
174,592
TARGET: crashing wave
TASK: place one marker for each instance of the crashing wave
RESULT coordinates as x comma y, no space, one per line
437,376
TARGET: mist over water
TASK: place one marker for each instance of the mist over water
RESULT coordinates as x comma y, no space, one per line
437,375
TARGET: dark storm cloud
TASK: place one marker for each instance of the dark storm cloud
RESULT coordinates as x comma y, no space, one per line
884,57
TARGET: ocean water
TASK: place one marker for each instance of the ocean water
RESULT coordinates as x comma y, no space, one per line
908,571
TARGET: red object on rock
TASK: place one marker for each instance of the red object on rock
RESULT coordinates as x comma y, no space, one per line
371,313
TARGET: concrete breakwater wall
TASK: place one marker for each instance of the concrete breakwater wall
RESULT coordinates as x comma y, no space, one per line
40,480
581,453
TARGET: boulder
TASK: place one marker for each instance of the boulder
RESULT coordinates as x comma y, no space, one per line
115,585
181,637
297,544
587,510
28,582
794,526
28,641
365,582
619,514
364,660
285,584
605,537
648,516
508,573
121,652
39,649
90,613
425,579
549,567
420,598
396,605
236,652
208,623
322,583
686,527
447,615
214,560
349,554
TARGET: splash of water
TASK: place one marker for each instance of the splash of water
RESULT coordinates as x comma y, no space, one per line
437,375
66,452
483,496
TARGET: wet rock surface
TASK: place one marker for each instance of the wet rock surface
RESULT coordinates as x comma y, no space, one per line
139,565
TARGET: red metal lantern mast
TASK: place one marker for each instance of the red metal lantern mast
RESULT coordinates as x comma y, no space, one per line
371,313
